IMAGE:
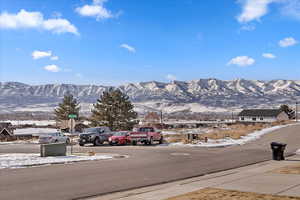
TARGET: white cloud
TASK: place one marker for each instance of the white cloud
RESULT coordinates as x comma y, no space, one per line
54,58
253,10
60,26
269,55
241,61
291,8
286,42
171,77
25,19
52,68
129,48
40,54
96,10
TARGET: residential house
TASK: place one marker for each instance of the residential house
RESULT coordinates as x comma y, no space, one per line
262,115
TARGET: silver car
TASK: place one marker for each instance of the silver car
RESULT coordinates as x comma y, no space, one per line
54,138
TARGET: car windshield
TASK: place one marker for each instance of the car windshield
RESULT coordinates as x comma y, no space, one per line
89,130
146,129
51,134
120,133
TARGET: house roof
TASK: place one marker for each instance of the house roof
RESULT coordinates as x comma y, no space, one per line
7,131
261,112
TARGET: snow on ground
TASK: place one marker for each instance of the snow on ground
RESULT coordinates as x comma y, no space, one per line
32,122
34,131
20,142
229,141
20,160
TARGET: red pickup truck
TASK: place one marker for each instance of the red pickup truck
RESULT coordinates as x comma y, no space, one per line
146,135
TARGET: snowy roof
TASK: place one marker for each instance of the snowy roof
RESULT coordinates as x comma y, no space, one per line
261,112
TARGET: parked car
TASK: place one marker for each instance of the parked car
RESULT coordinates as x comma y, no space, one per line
54,138
96,136
119,138
146,135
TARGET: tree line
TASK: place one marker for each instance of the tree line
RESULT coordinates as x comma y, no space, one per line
113,109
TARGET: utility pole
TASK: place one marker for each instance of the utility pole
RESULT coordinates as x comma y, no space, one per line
296,113
161,116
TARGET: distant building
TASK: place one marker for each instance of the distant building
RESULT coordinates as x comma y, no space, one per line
152,118
262,115
6,130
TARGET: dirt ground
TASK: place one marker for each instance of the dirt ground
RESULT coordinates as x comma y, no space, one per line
294,169
235,131
219,194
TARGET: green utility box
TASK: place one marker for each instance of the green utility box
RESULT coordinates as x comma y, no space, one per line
57,149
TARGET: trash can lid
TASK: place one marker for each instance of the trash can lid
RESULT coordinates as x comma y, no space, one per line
277,144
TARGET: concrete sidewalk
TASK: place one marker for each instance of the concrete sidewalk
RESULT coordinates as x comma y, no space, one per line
258,178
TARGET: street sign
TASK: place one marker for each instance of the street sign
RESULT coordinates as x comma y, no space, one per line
72,116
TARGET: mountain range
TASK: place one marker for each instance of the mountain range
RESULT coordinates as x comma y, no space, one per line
203,95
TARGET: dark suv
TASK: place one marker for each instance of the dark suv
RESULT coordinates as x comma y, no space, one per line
96,136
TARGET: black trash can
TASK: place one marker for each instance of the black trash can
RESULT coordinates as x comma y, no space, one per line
278,150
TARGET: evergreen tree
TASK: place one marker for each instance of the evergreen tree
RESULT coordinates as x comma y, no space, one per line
68,106
290,112
114,109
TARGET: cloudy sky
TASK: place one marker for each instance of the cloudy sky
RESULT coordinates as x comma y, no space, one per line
112,42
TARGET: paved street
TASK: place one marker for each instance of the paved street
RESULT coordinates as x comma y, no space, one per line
145,166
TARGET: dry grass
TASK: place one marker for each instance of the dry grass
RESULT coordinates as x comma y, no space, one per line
235,131
294,169
219,194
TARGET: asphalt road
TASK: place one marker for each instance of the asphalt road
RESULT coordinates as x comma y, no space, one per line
145,166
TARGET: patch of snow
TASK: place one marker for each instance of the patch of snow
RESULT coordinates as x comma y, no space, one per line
20,160
34,131
229,141
20,142
298,152
31,122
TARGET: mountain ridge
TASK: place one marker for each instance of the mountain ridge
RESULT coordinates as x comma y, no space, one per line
210,93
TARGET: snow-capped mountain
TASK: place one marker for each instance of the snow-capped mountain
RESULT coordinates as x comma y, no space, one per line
195,96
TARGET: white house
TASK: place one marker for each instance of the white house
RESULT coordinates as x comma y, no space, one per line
262,115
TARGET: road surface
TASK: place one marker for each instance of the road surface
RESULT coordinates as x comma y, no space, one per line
146,165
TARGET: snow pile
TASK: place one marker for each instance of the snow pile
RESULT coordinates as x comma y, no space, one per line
20,142
32,122
229,141
34,131
20,160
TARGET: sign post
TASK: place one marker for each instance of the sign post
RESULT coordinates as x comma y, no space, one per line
72,126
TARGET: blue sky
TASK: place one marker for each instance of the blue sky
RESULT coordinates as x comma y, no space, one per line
111,42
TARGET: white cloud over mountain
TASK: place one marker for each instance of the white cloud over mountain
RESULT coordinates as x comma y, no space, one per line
52,68
242,61
35,20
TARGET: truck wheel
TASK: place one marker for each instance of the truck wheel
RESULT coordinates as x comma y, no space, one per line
133,142
97,142
68,141
150,142
161,141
